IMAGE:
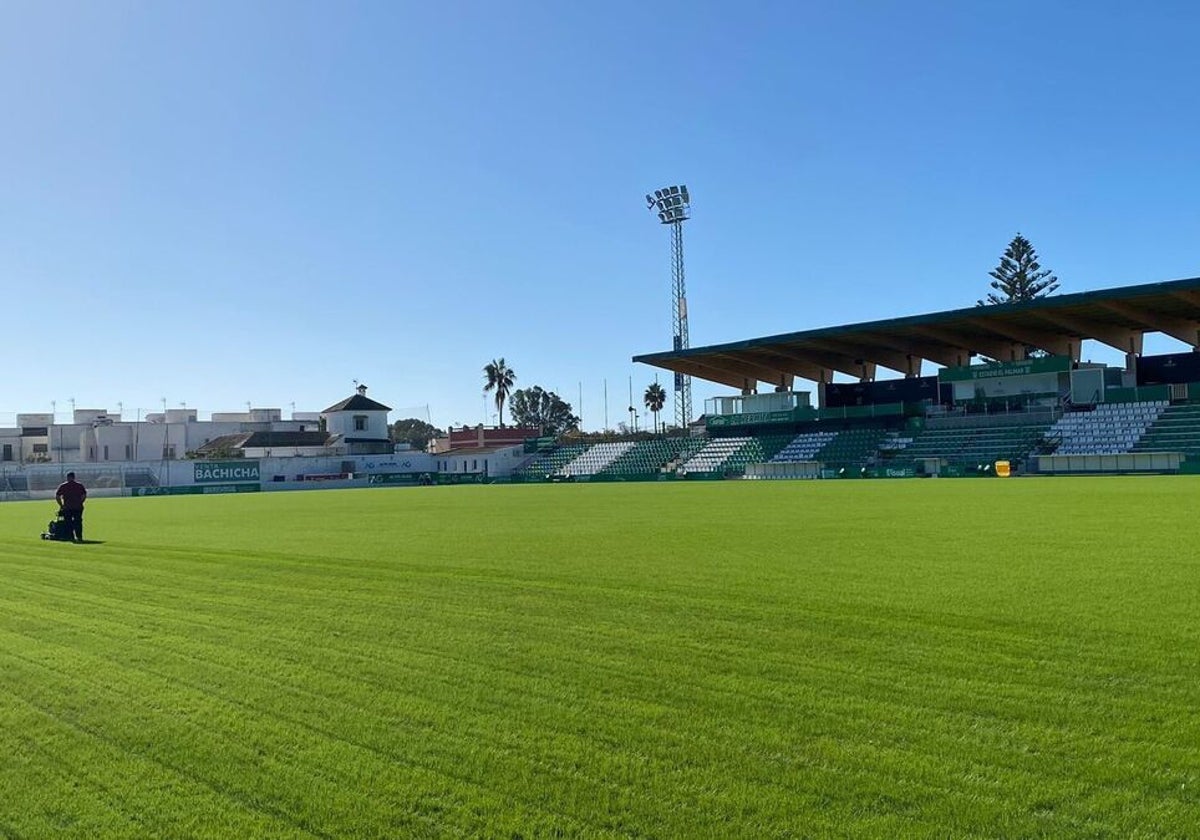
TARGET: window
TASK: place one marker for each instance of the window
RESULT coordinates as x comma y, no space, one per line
106,452
360,422
128,454
41,448
169,452
8,456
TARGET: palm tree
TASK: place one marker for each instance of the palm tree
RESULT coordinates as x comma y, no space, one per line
500,378
655,399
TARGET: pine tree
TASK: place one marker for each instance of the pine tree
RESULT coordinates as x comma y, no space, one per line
1020,276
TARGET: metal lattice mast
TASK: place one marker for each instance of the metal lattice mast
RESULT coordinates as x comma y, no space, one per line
674,208
679,324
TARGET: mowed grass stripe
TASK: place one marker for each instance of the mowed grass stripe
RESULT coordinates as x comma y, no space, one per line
758,676
178,641
296,706
189,664
300,755
103,745
169,641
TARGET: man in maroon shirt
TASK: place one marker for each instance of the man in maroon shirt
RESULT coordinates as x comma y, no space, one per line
70,496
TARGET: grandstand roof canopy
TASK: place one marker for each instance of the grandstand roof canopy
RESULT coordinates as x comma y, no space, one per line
1117,317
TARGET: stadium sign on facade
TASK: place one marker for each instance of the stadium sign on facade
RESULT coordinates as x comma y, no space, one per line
1028,367
754,417
212,471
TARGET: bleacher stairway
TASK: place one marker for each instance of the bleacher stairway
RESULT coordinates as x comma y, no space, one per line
1175,429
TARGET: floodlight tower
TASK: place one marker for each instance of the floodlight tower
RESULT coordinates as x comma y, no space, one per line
674,208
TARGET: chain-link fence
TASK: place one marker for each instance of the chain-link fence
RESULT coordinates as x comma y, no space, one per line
40,481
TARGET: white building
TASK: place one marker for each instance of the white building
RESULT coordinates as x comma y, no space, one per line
356,425
481,462
346,445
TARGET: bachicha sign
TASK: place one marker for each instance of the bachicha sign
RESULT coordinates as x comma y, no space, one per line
225,471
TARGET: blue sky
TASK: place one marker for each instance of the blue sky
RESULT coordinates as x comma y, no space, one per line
219,203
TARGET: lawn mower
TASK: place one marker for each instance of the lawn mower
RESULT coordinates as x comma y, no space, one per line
58,529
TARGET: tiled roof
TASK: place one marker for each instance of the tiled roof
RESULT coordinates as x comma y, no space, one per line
358,402
268,439
234,441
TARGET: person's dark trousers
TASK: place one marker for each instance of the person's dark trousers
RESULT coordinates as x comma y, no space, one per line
75,521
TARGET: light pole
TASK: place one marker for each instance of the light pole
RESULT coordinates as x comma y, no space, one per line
674,208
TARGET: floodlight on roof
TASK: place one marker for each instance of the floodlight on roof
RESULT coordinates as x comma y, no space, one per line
649,200
674,190
658,193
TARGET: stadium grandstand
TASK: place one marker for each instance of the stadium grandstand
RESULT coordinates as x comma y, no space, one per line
984,391
1010,395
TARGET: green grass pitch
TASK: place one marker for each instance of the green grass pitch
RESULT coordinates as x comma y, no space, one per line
866,659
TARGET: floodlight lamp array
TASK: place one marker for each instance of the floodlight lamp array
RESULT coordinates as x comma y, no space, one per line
673,204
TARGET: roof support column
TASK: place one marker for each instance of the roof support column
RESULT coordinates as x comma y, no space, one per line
825,376
1134,352
786,380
